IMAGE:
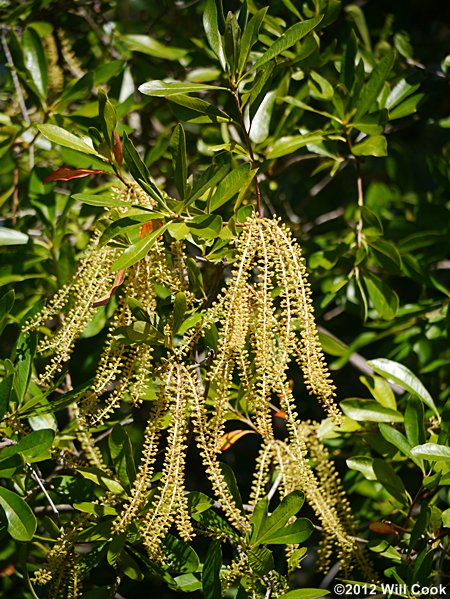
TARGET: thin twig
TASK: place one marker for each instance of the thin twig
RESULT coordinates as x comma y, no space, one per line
359,186
37,478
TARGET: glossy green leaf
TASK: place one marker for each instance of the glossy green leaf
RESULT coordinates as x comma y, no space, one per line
260,560
206,226
6,385
22,522
121,453
398,440
296,532
179,310
363,410
101,478
288,507
229,186
249,37
375,145
108,118
138,250
362,464
432,452
400,92
393,484
232,39
259,129
179,556
380,390
367,100
397,373
211,572
60,136
211,26
12,237
106,200
414,421
35,60
292,143
384,299
305,594
133,161
231,482
200,107
179,159
171,88
290,37
407,107
150,46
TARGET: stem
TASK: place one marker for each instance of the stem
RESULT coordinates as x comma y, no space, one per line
248,143
359,186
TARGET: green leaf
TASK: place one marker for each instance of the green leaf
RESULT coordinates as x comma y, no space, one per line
375,145
380,390
393,484
414,421
78,91
288,507
397,373
35,60
171,88
432,452
292,143
108,118
305,594
211,26
399,441
293,533
400,92
229,186
200,107
249,37
206,226
230,480
259,129
12,237
106,200
60,136
102,479
22,522
362,464
290,37
363,410
409,106
384,299
260,560
6,386
232,41
179,310
148,45
122,455
138,250
211,572
179,556
133,161
371,90
179,159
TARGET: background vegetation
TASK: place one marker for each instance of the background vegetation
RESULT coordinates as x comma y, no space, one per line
343,124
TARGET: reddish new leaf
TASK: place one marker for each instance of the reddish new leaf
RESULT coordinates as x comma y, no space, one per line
383,528
66,174
229,439
117,283
117,149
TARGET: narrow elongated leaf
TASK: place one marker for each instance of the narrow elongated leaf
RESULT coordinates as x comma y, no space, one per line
230,479
398,440
290,37
133,161
179,159
296,532
259,129
305,594
393,484
232,41
384,299
292,143
229,186
209,178
288,507
67,174
170,88
401,375
122,455
179,310
211,26
373,87
362,464
249,37
35,60
414,421
138,250
22,522
363,410
211,572
102,479
202,107
5,393
409,106
106,200
432,452
60,136
12,237
108,118
148,45
206,226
